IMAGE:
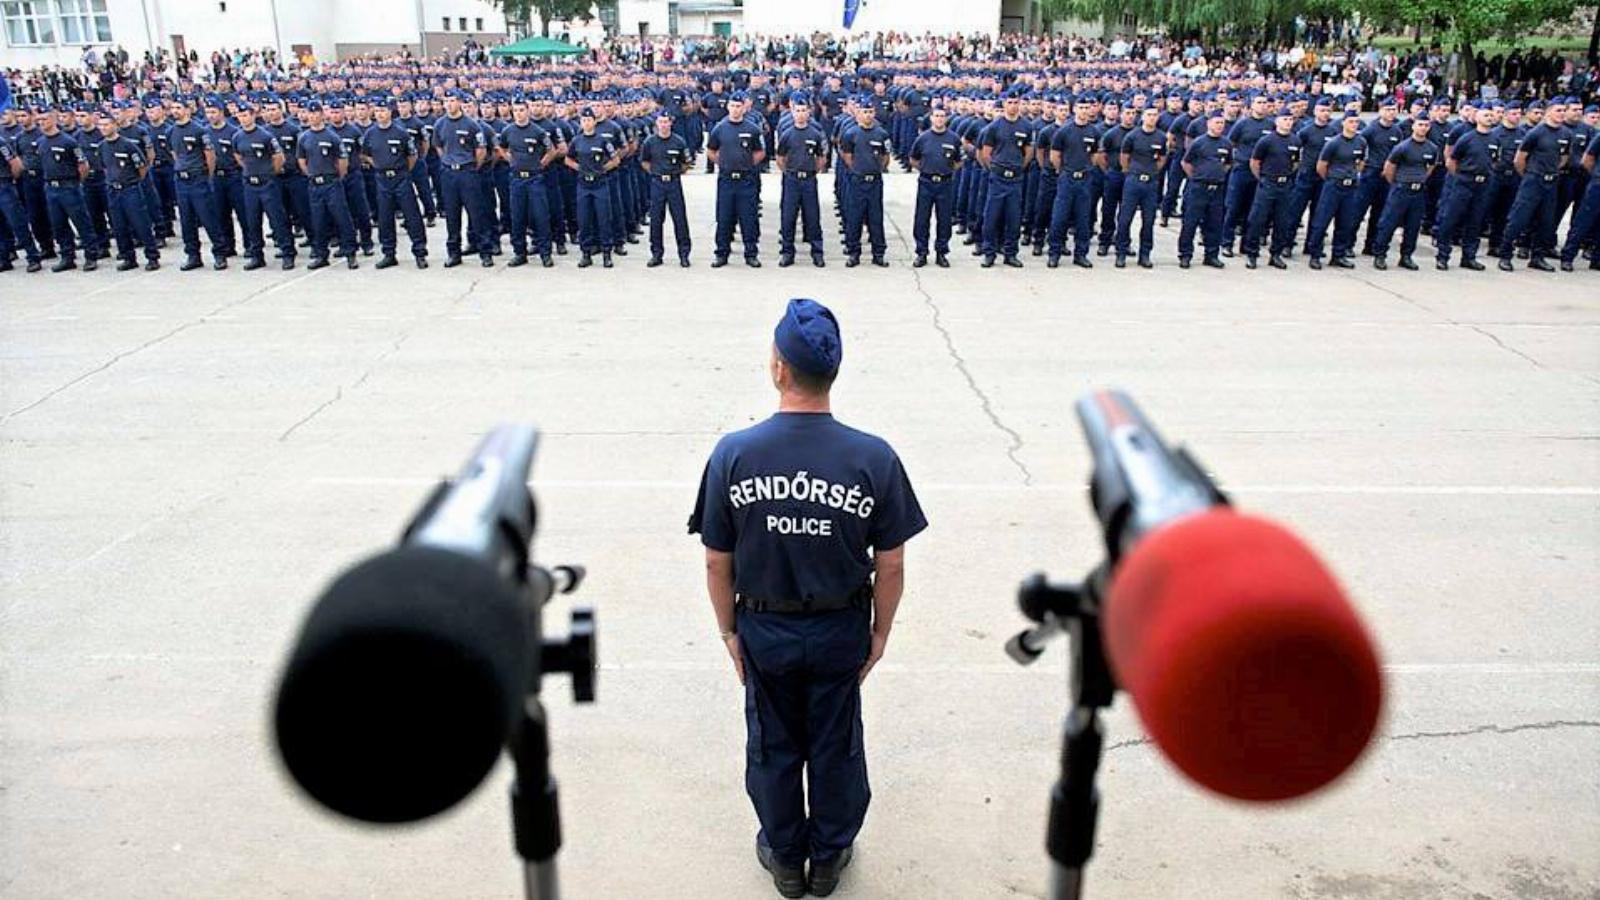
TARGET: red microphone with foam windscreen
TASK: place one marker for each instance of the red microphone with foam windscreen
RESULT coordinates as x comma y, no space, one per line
1246,663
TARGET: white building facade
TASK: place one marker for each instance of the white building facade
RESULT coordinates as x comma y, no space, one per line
776,17
56,32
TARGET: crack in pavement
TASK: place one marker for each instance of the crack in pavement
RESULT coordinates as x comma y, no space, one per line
394,347
1459,324
1496,729
1013,438
204,317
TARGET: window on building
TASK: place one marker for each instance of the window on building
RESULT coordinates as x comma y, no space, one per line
446,23
463,22
28,22
84,21
477,24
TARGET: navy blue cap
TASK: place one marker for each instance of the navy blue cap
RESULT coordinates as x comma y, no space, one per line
808,338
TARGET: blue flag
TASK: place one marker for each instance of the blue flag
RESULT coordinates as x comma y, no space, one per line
5,94
851,7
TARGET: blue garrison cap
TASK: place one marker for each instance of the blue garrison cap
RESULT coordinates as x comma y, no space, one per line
739,96
1386,101
808,338
313,106
1323,101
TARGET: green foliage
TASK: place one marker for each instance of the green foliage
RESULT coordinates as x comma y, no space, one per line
565,10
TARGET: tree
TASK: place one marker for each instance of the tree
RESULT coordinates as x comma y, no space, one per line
1245,19
547,10
1465,23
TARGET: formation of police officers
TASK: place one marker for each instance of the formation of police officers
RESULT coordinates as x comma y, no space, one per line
1248,173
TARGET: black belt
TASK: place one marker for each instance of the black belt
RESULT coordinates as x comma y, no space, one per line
186,176
1208,185
1144,176
800,175
1347,182
119,186
1479,179
393,173
1276,179
668,178
321,180
1413,186
868,176
936,179
460,167
858,599
587,178
220,173
61,182
1078,176
1547,178
1008,174
257,180
525,174
736,176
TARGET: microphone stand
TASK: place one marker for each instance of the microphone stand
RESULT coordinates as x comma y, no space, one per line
535,807
1074,799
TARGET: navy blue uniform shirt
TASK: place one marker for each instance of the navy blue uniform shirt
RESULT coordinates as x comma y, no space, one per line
222,144
1471,154
189,143
527,145
591,151
800,148
257,147
1010,144
1381,140
868,147
1277,154
1146,151
938,152
1077,145
1111,146
799,500
736,144
1545,148
121,159
389,147
666,155
321,149
458,140
1412,159
1246,132
1313,138
1344,157
1210,158
59,155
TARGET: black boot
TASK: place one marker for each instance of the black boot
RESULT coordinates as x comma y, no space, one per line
1082,262
785,260
1343,262
789,880
1145,263
1380,263
1538,264
64,264
320,262
879,261
586,261
1013,262
350,262
1315,263
605,260
123,266
825,875
920,261
1276,261
850,262
1407,263
941,260
653,262
152,265
546,261
453,260
254,263
718,262
387,262
818,260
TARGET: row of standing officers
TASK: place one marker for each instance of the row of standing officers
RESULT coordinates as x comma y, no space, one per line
1243,174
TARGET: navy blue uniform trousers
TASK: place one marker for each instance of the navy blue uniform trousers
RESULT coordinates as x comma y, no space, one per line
736,202
936,196
666,198
227,193
67,207
264,198
865,210
1339,205
197,210
1002,215
1273,208
1204,206
1585,225
530,213
329,214
19,233
799,201
1533,215
802,705
594,216
461,189
397,193
1140,194
1403,210
1461,215
130,222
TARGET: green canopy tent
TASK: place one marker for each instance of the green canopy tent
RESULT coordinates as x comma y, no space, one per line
537,46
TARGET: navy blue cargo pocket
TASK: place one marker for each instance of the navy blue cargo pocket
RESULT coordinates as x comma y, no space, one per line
755,743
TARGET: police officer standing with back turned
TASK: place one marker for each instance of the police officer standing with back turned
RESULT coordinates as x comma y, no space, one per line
788,511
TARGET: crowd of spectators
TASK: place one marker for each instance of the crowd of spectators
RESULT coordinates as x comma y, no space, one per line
1330,59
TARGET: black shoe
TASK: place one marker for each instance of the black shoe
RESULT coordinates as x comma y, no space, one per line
1082,262
1407,263
1538,264
1183,263
389,261
1145,263
1038,248
1472,265
34,266
1441,265
1566,265
516,261
988,262
850,262
129,264
1227,250
1122,261
1103,251
487,261
546,261
1315,263
1023,239
825,875
254,263
880,262
1211,262
961,229
789,880
561,249
152,265
585,261
818,260
65,264
1523,253
920,261
1013,262
605,261
718,262
1163,221
752,262
683,262
1277,262
1249,261
47,255
654,261
971,239
1380,263
287,264
1505,264
1343,262
90,264
450,262
942,261
319,263
220,264
632,239
1054,261
350,262
785,260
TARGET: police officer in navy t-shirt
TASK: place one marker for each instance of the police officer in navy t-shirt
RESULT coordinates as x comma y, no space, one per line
805,521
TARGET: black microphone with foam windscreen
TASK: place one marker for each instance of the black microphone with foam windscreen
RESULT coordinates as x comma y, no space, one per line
1247,665
418,667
